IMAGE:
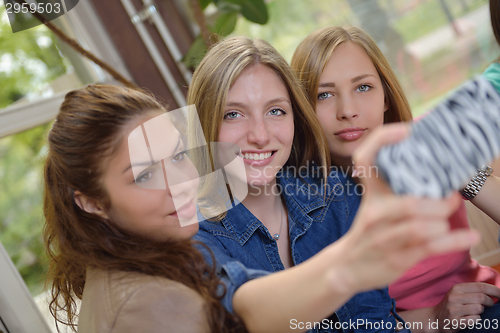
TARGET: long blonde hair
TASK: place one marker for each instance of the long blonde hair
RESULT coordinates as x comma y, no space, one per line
219,70
314,52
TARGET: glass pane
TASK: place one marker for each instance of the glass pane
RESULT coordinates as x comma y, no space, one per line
21,216
34,64
432,45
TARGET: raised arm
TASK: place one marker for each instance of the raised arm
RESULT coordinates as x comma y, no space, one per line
389,235
487,198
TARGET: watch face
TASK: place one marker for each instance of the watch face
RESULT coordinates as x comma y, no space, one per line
486,170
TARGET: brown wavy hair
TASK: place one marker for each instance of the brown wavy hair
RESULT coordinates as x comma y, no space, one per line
85,135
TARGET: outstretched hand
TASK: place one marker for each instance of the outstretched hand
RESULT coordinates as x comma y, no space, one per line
392,233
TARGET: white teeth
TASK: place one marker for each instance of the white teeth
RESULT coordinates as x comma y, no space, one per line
257,157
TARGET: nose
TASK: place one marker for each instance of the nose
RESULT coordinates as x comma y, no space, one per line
182,183
347,108
180,179
258,133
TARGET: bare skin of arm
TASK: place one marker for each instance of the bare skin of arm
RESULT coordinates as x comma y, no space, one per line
487,198
389,235
465,300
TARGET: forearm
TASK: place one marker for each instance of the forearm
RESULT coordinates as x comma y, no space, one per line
308,292
487,198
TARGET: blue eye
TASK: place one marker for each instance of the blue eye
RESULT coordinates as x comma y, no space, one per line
144,176
231,115
324,96
276,112
179,157
364,87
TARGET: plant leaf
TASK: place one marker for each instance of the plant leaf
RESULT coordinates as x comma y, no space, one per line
204,3
195,53
229,6
225,24
255,11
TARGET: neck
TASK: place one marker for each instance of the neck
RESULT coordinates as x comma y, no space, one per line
263,202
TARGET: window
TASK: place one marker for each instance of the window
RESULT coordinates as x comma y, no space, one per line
36,70
432,45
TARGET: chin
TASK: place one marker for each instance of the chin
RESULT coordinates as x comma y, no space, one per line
256,182
184,233
191,229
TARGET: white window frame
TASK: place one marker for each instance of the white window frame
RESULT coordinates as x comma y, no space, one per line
83,25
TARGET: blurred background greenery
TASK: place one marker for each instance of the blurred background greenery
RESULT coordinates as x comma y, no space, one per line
29,60
433,45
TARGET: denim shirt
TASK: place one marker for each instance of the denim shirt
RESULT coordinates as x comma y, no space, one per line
318,215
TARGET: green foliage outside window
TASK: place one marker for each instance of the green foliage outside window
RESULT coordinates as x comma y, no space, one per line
21,217
403,30
29,60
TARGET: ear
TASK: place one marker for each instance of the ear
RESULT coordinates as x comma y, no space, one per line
90,205
386,104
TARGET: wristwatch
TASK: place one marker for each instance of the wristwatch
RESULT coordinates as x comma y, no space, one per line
475,184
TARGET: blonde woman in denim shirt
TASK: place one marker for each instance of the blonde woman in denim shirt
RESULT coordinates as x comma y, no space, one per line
354,90
245,94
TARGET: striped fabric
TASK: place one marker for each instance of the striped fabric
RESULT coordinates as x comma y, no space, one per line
448,145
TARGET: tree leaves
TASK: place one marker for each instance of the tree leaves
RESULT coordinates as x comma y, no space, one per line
21,218
204,3
255,11
30,59
225,23
195,53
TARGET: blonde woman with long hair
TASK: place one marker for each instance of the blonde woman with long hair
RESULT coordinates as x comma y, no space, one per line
246,94
354,92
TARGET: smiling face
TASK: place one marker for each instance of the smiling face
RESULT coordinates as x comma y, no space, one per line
258,117
350,100
137,207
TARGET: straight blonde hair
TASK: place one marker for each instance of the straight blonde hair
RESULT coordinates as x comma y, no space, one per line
218,71
313,53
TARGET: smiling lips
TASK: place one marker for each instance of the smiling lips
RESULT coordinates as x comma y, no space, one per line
351,133
257,158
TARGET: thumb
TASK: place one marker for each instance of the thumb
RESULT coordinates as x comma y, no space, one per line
364,156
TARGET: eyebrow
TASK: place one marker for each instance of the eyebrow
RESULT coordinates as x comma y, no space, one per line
273,101
361,77
148,163
332,84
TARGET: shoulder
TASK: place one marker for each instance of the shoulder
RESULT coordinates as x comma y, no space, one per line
213,234
128,302
236,226
312,193
310,181
492,74
212,227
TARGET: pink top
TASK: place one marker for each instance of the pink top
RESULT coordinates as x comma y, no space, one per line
427,283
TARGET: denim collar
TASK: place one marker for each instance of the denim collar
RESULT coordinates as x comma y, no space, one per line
302,196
